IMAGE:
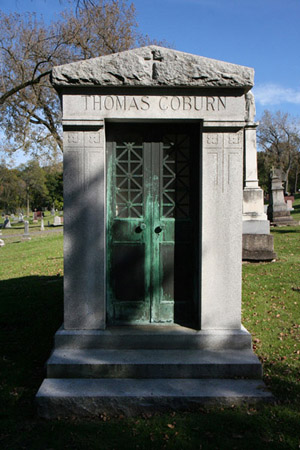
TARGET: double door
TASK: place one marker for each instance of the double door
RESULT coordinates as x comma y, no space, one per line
152,223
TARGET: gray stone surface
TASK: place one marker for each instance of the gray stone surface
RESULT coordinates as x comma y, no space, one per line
258,247
256,226
153,337
278,212
84,230
153,364
221,256
153,66
69,397
26,235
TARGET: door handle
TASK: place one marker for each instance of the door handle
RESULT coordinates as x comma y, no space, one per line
159,229
140,227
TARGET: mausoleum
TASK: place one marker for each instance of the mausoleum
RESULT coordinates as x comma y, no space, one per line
154,141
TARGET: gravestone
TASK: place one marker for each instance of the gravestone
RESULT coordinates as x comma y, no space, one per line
21,217
153,147
26,235
52,212
278,211
57,221
2,243
42,224
258,243
35,216
289,204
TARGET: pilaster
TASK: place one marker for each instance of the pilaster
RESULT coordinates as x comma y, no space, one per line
221,229
84,226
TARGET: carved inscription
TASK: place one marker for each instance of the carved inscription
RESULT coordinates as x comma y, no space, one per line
212,139
234,139
146,103
223,151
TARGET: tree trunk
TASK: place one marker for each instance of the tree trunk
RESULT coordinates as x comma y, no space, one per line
28,205
296,180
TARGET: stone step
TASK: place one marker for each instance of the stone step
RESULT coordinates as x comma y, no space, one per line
153,364
153,337
92,397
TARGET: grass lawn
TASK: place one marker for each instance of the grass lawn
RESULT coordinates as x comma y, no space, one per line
31,294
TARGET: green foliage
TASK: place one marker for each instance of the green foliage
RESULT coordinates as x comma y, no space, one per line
31,311
12,189
42,187
54,183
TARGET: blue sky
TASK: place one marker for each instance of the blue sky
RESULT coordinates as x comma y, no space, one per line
264,34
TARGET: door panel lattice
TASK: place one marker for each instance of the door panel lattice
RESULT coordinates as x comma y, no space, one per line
129,180
176,177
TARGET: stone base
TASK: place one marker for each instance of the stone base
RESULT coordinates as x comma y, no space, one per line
258,247
86,397
256,226
280,216
128,370
283,220
153,337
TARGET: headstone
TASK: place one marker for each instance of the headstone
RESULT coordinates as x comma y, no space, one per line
7,223
26,235
35,216
21,217
56,221
258,243
134,124
278,212
52,212
289,204
2,243
42,224
39,214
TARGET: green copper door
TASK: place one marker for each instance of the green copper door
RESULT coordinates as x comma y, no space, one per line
152,223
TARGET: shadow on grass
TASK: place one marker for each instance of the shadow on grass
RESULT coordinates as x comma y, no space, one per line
31,310
285,231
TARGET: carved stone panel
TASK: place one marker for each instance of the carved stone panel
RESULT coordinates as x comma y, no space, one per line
84,243
221,229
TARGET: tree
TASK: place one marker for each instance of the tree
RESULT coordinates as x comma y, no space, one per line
29,106
12,190
34,177
279,138
54,183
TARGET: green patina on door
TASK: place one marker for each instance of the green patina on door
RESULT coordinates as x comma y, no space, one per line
152,223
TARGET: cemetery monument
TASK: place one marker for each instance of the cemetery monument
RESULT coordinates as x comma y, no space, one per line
153,180
278,211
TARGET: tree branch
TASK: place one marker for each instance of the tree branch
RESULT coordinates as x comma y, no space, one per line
21,86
